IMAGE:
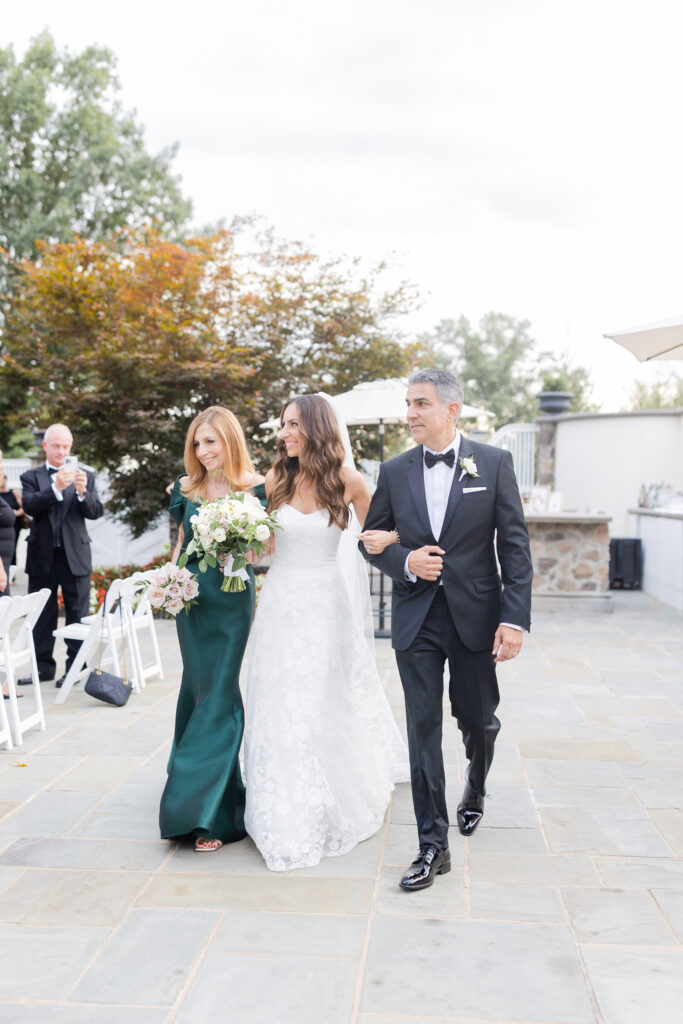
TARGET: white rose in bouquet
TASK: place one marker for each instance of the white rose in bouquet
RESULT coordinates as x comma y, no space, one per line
225,531
174,606
156,596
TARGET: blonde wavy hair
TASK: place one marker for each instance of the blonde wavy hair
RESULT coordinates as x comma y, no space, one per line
237,464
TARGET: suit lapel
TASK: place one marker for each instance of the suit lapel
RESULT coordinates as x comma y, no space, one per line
416,483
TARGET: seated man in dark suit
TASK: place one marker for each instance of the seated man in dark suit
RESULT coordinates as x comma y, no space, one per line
59,497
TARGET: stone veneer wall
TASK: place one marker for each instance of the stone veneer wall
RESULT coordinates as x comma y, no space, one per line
569,557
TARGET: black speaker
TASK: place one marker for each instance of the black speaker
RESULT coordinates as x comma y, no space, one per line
625,563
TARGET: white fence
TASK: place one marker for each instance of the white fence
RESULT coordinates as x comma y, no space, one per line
520,440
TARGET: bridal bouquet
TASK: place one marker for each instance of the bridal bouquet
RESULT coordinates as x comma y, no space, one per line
171,588
224,530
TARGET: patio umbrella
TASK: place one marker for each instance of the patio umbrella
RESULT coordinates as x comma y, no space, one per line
662,340
378,401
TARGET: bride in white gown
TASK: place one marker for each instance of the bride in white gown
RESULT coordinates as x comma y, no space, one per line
321,748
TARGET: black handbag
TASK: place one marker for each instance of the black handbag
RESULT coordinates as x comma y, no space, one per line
103,685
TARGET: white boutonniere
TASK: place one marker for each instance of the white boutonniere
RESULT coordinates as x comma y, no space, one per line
468,466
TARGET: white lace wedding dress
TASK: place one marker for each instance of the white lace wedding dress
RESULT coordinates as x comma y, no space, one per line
321,748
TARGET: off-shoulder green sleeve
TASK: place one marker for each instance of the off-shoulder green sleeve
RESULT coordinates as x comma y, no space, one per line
177,503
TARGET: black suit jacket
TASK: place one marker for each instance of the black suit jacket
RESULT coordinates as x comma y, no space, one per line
39,501
476,526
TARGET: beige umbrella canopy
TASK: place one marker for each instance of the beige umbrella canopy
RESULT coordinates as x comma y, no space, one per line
662,340
378,401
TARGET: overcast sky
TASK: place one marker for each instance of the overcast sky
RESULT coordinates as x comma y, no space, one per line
523,156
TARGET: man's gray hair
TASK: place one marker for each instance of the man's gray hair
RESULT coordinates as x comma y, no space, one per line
57,426
446,384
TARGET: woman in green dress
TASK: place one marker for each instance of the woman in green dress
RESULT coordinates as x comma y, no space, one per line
204,795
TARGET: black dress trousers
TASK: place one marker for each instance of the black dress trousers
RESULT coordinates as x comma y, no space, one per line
474,697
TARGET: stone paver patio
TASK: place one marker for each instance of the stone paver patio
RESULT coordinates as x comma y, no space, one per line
565,907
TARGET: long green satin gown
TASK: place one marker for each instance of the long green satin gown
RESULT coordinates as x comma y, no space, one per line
204,793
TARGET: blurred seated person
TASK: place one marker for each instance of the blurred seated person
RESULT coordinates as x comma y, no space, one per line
13,499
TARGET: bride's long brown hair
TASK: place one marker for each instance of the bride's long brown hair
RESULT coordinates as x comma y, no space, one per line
320,461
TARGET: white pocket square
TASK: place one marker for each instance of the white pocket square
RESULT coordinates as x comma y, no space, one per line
471,490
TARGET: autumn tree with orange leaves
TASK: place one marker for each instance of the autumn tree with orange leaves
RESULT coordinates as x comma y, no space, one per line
127,340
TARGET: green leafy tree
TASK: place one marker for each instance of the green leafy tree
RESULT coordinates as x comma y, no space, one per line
71,160
560,375
666,392
127,340
500,366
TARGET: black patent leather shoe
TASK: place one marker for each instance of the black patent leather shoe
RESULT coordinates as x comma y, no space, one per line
28,680
58,682
429,862
470,810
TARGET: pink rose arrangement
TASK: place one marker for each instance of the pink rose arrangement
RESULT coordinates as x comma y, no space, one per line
171,589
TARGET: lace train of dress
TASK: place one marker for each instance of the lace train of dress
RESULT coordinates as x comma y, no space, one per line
321,748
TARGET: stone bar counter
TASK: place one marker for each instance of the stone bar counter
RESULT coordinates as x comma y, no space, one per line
570,555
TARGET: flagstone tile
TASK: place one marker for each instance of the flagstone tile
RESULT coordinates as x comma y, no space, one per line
277,892
300,991
658,794
306,935
506,869
670,824
61,1013
602,831
506,840
16,790
585,796
516,903
69,898
119,855
43,767
640,872
580,750
50,813
8,875
634,986
576,773
654,773
412,967
670,903
44,962
148,959
99,825
98,774
617,917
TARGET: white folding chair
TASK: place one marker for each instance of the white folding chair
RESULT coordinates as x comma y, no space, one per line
142,618
5,733
17,651
99,635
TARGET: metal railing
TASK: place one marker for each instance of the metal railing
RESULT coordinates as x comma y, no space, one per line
520,440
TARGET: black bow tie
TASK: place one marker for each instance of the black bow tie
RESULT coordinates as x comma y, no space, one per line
447,457
52,469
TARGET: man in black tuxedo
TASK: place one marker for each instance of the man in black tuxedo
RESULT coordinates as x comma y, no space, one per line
59,498
455,504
